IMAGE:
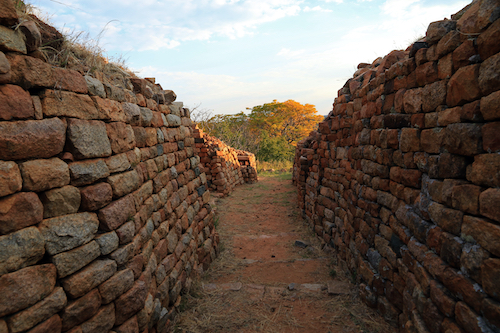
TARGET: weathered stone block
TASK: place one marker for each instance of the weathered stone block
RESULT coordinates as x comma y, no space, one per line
88,139
114,92
124,183
491,139
95,87
463,86
29,72
53,325
466,198
102,322
489,106
96,196
486,41
130,326
87,172
8,14
39,312
478,16
433,95
449,116
448,219
25,287
116,286
173,120
71,261
471,260
80,310
489,203
111,109
132,113
490,273
468,319
126,232
42,175
15,103
19,211
71,80
88,278
12,40
151,137
463,139
451,166
60,201
117,213
438,30
489,74
32,35
410,140
117,163
10,178
485,170
431,140
491,311
68,104
31,139
484,233
108,242
20,249
67,232
123,254
131,302
140,136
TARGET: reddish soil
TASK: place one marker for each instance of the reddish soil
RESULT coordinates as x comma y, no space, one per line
262,281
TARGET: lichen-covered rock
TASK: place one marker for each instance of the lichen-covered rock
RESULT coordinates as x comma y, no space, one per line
20,249
69,231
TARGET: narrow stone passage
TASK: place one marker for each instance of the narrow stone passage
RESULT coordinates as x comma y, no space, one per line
271,274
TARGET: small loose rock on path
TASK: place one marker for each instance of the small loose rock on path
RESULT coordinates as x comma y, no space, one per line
271,274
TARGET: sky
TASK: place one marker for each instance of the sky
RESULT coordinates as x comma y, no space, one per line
225,56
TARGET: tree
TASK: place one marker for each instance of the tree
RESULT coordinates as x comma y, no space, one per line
289,120
270,131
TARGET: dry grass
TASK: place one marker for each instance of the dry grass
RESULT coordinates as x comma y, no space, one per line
79,50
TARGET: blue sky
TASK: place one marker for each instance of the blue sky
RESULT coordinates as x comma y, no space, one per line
228,55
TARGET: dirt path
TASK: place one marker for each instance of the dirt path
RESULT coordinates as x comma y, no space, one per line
271,275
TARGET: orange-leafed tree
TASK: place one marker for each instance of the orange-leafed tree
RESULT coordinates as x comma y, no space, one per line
289,120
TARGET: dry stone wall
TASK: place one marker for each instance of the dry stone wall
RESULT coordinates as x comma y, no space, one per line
224,166
402,178
104,214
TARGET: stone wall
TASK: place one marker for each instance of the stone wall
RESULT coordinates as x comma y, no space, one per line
402,178
104,214
224,166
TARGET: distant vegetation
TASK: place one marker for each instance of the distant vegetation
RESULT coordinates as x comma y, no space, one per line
271,131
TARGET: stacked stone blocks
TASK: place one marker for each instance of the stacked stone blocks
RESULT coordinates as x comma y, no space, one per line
402,178
104,214
224,166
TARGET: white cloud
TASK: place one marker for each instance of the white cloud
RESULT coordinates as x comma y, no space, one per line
289,54
317,9
153,25
336,1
